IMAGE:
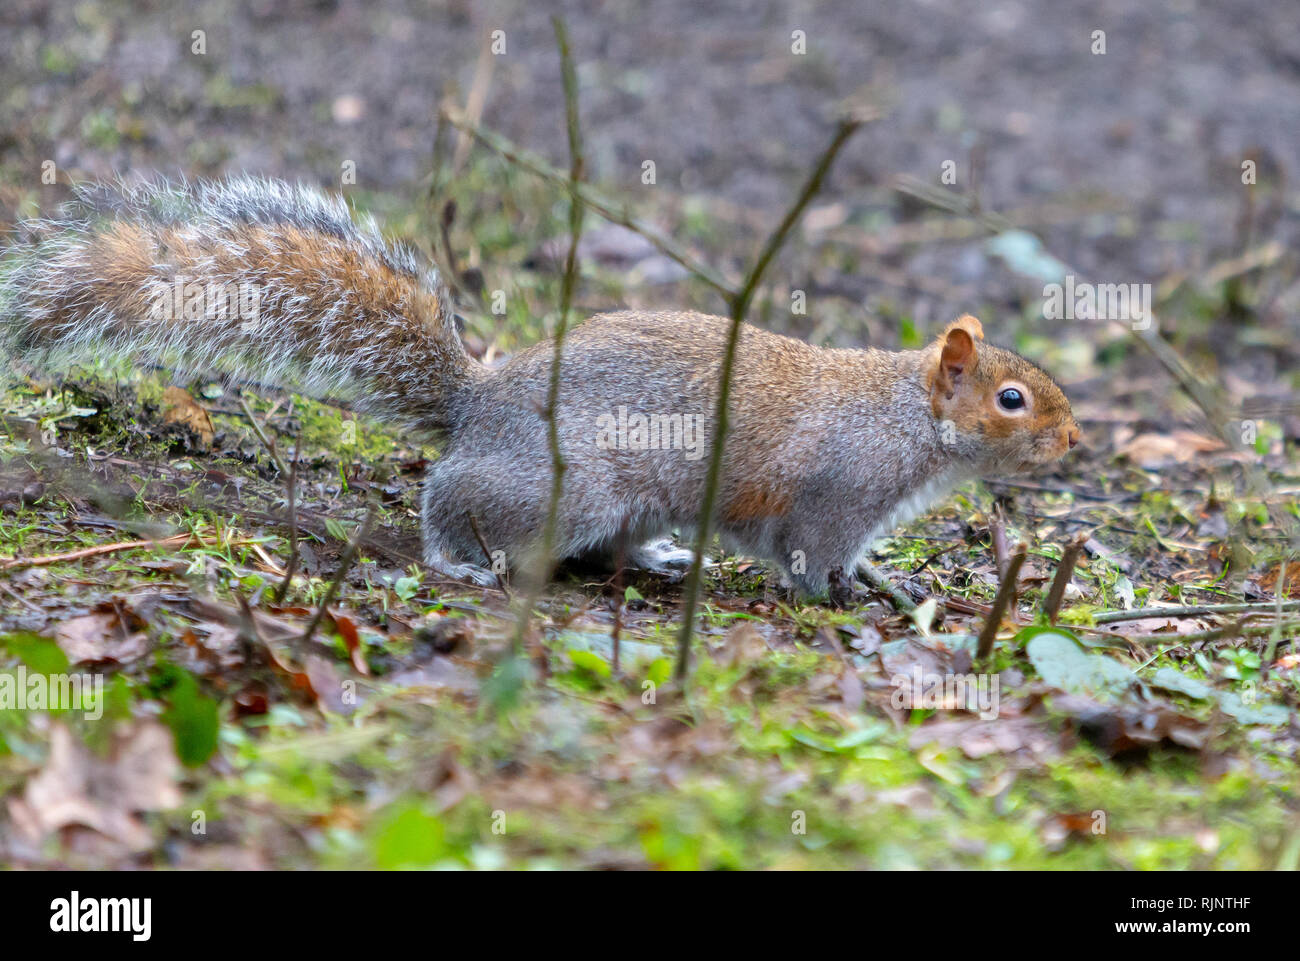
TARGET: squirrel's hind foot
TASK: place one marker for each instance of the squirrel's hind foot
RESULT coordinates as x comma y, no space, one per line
661,557
452,570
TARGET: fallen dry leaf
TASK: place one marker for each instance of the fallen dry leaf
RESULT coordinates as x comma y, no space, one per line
440,673
743,644
1123,728
1153,451
347,629
180,408
328,685
978,738
1172,626
1270,578
78,789
1059,828
111,632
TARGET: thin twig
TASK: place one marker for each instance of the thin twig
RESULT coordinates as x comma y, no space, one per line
1064,571
611,211
875,578
474,103
448,251
45,560
1235,629
1006,592
437,165
261,435
345,563
739,303
550,528
291,490
1279,592
487,551
998,538
1193,610
20,599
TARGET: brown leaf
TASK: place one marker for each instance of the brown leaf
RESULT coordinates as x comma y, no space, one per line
111,632
347,629
930,659
1160,450
441,673
180,408
978,738
1270,578
1059,828
742,644
1160,625
1125,728
328,685
852,693
76,788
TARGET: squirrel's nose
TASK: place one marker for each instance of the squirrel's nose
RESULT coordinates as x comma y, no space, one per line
1072,436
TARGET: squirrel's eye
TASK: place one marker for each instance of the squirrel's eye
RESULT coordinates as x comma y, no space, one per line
1011,399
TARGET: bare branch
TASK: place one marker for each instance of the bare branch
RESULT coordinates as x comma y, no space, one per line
611,211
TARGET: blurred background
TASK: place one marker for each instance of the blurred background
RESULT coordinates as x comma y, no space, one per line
1127,164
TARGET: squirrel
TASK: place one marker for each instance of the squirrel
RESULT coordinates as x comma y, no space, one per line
826,448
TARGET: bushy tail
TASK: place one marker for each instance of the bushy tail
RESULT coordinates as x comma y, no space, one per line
259,278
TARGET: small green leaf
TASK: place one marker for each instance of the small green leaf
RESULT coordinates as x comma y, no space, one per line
40,654
1172,679
863,735
923,615
192,717
659,671
409,837
1272,715
591,662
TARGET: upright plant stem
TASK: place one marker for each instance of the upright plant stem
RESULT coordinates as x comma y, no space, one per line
550,528
739,304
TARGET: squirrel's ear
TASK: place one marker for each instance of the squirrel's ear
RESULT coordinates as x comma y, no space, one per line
969,324
957,353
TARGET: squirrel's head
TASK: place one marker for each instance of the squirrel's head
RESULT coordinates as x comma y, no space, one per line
994,408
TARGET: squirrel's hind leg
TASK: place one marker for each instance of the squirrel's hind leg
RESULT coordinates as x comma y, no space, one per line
457,496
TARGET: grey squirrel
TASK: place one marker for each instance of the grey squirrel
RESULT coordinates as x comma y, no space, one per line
827,448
